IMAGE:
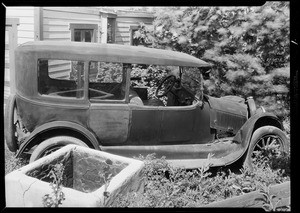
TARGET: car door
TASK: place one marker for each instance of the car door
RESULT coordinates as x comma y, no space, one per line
177,123
110,122
145,125
157,125
109,114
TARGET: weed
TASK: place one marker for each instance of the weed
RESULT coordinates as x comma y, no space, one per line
57,195
270,202
107,176
166,186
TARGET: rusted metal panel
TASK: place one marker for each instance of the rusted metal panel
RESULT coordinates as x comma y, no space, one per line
225,121
227,115
145,124
110,122
228,105
177,123
243,136
224,151
34,113
170,125
26,67
202,130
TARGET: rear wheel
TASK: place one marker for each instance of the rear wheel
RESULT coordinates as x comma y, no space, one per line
52,144
265,137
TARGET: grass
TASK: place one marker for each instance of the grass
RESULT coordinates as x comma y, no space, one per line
166,186
11,162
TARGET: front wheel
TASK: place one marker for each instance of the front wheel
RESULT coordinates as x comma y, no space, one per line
52,144
264,137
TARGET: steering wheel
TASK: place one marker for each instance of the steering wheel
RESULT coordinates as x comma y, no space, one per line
166,85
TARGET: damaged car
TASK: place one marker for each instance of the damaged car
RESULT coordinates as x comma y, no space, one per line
86,94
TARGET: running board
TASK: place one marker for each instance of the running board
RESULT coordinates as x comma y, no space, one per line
187,156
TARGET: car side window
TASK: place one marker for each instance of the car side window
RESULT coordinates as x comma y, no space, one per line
61,78
106,81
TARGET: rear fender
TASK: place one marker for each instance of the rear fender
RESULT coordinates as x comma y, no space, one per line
9,127
259,119
57,126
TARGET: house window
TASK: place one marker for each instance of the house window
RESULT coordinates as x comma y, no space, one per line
111,26
84,32
83,35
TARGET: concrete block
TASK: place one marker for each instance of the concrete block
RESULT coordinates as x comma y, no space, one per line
84,181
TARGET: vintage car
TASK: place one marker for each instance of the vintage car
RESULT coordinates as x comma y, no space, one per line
83,93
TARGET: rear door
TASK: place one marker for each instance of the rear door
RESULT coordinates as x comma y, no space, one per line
110,122
109,114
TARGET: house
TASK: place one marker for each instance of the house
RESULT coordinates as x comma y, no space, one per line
81,24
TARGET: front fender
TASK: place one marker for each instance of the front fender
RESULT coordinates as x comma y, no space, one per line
59,125
259,119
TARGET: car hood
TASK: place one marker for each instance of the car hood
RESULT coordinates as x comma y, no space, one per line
228,113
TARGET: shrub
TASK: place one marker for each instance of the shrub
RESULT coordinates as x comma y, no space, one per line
166,186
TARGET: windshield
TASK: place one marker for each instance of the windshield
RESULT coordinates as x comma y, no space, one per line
191,79
151,76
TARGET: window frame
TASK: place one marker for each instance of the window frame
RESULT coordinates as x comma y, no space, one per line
78,26
113,30
81,100
132,29
59,100
126,77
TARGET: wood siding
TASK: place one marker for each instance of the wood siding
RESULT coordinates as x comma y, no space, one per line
56,21
25,33
6,75
56,27
53,23
11,36
26,20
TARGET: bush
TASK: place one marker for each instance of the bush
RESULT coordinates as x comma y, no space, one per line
11,162
166,186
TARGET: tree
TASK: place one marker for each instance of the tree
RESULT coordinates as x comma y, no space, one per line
248,47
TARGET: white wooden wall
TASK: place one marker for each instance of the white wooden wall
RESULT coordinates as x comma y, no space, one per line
26,20
11,36
53,23
56,21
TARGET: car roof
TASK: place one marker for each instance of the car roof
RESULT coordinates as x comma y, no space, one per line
114,53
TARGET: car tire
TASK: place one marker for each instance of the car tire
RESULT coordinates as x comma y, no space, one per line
9,124
53,144
262,137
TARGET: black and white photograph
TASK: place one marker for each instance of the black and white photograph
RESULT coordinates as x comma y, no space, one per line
148,106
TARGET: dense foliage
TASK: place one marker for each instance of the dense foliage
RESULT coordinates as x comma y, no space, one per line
166,186
247,46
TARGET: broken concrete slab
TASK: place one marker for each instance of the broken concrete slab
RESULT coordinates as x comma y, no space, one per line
91,178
